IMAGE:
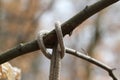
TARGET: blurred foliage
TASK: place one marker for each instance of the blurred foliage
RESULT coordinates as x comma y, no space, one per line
17,23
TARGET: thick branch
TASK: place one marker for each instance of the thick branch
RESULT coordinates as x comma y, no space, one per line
50,39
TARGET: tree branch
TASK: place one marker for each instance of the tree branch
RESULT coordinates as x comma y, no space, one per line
50,39
93,61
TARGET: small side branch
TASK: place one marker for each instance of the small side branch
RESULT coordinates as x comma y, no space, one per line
93,61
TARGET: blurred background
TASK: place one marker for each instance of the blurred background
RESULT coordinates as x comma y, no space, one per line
99,36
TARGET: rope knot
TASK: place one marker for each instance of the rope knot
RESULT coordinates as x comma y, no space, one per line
60,46
57,53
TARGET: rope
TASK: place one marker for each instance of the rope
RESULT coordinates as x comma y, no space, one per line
61,46
55,65
57,54
41,44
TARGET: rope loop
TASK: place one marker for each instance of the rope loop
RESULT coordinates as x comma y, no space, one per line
61,47
57,53
40,36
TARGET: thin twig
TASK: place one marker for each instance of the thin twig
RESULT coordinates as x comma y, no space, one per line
92,60
50,39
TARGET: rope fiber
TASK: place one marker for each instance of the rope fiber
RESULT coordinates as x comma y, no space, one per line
57,53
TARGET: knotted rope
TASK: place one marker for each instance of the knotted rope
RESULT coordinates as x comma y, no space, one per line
57,53
41,44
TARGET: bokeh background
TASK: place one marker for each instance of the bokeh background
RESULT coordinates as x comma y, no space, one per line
99,36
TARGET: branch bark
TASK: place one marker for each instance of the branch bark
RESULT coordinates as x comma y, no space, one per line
50,39
93,61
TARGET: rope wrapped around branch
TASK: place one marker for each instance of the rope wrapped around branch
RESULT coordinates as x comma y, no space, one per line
57,53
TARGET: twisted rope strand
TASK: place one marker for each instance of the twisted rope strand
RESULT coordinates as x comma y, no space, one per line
57,55
61,46
55,65
41,44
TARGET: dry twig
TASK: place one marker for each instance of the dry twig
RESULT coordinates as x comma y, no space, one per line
93,61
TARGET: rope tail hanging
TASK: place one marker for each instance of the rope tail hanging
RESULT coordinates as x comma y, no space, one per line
55,65
57,53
